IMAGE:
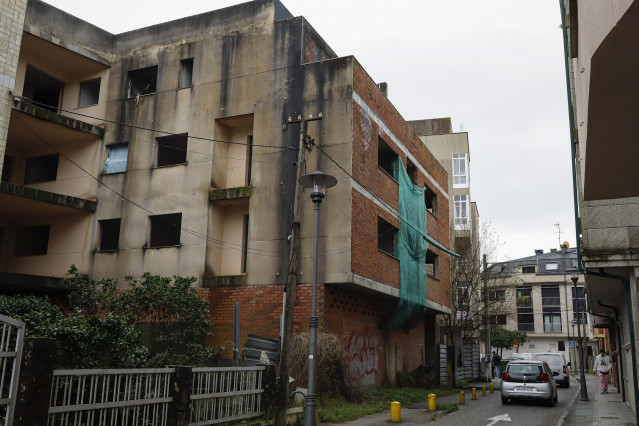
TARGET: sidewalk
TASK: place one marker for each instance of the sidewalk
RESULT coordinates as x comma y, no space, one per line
606,409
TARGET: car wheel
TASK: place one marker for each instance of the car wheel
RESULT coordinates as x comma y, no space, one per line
504,400
556,398
567,384
550,402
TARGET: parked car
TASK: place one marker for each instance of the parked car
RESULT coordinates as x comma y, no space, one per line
522,355
528,379
557,363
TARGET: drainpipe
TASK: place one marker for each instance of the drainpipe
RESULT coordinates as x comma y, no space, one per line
631,330
572,136
619,357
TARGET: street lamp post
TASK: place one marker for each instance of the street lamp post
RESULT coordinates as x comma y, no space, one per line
574,366
574,277
318,181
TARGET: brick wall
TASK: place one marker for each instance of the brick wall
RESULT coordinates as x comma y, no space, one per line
312,50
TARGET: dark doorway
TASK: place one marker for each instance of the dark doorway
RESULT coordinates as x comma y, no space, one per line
42,89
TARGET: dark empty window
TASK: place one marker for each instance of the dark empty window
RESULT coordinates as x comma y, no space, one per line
142,81
386,157
245,243
165,230
109,234
498,320
431,200
172,150
42,89
561,345
411,171
386,236
89,92
32,240
186,73
41,169
7,169
432,264
528,269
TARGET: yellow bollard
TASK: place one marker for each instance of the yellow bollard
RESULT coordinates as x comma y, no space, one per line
432,402
396,411
462,397
483,390
492,388
474,393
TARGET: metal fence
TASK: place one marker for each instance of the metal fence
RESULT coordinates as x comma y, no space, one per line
110,397
11,343
224,394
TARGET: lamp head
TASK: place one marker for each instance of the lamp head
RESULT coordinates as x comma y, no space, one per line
319,182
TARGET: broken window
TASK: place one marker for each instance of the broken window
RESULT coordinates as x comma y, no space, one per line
109,234
386,157
7,169
42,89
142,81
186,73
117,158
430,198
32,240
165,230
41,169
432,264
89,92
172,150
386,236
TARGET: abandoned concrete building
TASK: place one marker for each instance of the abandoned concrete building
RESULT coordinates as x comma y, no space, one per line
168,149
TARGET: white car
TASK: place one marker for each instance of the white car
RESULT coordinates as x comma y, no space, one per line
523,355
558,365
528,379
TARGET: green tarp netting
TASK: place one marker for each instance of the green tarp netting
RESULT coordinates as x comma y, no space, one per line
410,249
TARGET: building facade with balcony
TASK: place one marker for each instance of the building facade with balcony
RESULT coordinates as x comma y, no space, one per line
168,149
546,302
599,39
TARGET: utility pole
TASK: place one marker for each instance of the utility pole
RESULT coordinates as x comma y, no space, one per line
486,322
291,279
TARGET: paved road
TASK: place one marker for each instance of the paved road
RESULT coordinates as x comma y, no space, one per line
484,410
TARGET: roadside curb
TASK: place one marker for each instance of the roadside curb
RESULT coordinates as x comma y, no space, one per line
563,418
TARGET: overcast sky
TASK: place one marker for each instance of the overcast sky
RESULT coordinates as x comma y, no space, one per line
494,66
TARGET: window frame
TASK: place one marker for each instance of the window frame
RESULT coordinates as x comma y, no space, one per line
183,78
26,233
126,161
131,75
163,150
460,160
554,264
526,269
91,82
390,230
168,219
30,165
461,202
385,157
110,232
435,262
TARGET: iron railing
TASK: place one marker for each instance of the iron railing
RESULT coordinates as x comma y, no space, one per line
11,343
110,397
225,394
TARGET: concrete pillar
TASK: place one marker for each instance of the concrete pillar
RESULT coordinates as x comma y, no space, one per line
36,376
11,26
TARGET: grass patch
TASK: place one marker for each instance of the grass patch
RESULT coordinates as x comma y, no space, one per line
338,410
447,406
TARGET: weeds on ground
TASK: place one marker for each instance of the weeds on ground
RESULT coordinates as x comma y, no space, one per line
337,410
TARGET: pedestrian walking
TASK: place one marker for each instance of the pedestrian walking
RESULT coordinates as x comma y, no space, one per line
602,367
496,362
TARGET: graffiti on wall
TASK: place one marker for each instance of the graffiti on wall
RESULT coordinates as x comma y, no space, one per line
364,356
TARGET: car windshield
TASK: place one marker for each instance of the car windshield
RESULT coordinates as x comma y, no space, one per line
524,369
